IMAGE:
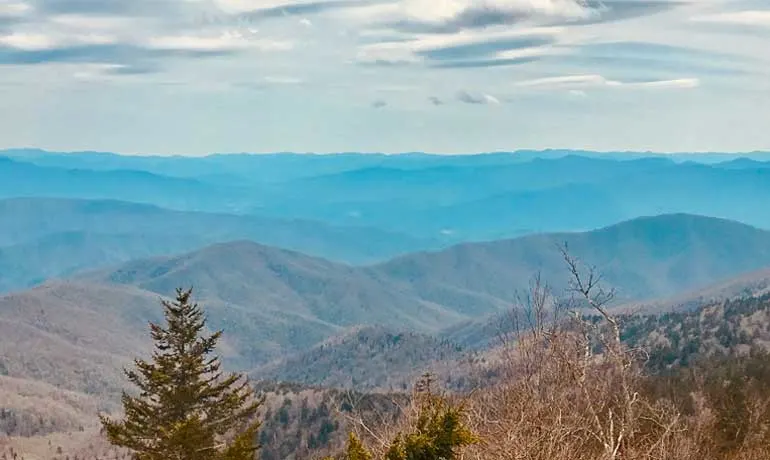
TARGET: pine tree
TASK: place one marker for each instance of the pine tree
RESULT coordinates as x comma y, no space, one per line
356,450
439,431
186,408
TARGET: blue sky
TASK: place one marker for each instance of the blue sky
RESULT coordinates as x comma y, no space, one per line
445,76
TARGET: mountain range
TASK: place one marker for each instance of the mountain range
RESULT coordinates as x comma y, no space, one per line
274,303
351,271
451,199
43,238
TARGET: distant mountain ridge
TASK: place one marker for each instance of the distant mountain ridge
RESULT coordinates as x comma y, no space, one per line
43,238
451,198
275,302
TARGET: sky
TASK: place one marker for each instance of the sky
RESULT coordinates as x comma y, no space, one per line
443,76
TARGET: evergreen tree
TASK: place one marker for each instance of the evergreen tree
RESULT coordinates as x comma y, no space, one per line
356,450
186,408
439,431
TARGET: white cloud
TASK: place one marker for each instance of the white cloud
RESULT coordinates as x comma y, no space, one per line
389,52
28,42
536,51
92,22
96,72
405,51
566,80
437,11
480,99
229,40
39,41
577,82
14,9
746,18
239,6
192,42
682,83
442,10
306,22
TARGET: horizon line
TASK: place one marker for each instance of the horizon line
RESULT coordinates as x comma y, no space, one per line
567,151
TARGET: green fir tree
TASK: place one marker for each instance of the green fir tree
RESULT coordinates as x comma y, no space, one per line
186,407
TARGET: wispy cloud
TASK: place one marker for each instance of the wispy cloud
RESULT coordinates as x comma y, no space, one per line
581,82
108,32
267,10
14,9
224,42
322,62
479,99
495,44
428,16
747,18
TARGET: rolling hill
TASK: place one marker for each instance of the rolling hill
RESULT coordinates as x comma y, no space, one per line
274,302
747,285
642,258
372,357
44,238
273,281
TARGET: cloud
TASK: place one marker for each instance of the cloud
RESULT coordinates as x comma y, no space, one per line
481,63
511,57
646,49
139,41
652,59
566,80
27,42
387,54
429,16
102,72
479,99
435,100
681,83
14,9
92,22
452,16
301,8
607,11
465,49
581,82
485,48
227,41
124,8
145,53
10,55
743,18
136,36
